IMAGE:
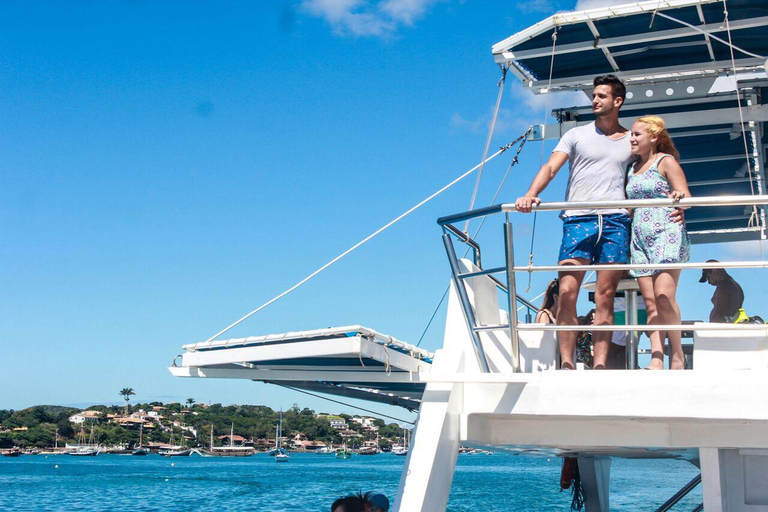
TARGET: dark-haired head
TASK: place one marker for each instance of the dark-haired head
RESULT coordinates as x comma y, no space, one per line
587,319
553,290
617,86
351,503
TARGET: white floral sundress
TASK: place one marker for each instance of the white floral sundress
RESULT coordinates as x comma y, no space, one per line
655,238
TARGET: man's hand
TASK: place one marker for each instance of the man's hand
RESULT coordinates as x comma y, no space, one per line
524,204
677,216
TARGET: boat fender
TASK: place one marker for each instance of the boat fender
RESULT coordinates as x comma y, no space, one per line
570,479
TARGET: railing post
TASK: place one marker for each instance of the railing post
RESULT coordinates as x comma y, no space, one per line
630,317
469,314
509,249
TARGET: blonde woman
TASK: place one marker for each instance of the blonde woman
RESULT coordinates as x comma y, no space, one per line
655,237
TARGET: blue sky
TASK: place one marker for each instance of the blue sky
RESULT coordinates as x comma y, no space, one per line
167,167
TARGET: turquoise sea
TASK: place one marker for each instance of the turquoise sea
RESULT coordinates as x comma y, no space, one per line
310,482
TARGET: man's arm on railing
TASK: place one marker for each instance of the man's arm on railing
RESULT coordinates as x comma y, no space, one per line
545,175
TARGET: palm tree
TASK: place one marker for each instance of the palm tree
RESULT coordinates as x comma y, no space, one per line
126,394
190,402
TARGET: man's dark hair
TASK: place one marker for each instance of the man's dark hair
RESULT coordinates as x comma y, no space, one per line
351,503
616,85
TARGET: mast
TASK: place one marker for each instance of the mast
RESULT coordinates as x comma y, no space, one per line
211,436
231,435
141,435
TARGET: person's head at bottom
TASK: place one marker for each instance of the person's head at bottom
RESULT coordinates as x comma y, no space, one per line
351,503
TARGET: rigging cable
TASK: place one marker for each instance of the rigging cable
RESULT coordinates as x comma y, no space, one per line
366,239
500,85
541,153
731,48
754,216
340,402
697,29
477,231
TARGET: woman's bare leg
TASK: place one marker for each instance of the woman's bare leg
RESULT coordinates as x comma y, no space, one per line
657,341
665,289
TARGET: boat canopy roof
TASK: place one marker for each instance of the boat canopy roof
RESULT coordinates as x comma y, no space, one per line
636,41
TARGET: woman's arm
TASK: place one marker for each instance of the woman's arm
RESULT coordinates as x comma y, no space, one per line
671,170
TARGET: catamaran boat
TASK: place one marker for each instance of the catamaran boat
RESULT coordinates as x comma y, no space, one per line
493,385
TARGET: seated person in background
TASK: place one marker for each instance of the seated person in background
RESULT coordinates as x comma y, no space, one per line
617,354
584,341
728,297
548,312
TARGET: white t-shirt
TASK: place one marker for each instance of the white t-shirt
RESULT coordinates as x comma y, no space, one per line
597,167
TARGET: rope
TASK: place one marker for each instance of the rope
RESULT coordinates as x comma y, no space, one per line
342,403
366,239
754,216
727,43
434,313
500,85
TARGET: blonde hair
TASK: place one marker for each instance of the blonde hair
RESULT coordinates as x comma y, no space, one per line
657,128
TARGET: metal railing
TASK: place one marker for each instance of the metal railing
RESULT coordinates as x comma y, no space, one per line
509,269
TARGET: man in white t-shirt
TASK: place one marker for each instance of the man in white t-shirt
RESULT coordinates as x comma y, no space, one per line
598,155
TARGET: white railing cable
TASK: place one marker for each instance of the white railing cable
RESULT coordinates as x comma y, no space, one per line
366,239
646,203
643,327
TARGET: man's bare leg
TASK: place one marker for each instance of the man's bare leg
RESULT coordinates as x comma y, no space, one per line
570,283
605,292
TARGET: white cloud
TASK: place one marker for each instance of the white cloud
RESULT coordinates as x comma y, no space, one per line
362,18
529,6
472,125
507,123
583,5
405,11
535,107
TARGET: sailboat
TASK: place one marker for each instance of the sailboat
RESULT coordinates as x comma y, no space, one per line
140,450
231,450
280,454
83,449
402,451
176,450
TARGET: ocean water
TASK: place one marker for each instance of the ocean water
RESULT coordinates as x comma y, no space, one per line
310,482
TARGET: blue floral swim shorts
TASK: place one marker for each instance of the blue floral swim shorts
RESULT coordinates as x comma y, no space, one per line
597,238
